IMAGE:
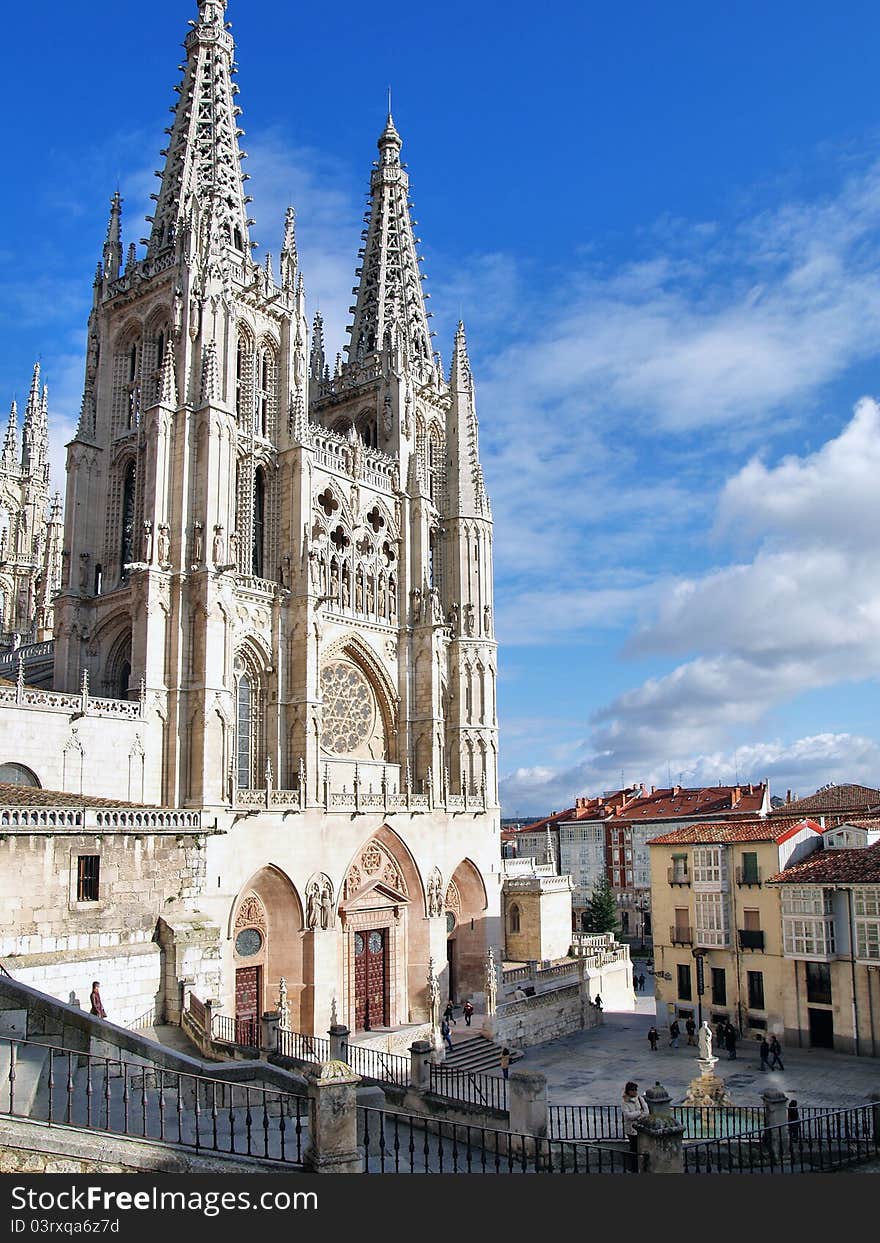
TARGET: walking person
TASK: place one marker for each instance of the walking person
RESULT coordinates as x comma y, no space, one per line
448,1013
764,1050
730,1038
653,1038
641,982
598,1002
775,1054
446,1034
794,1123
674,1033
632,1107
97,1006
468,1011
505,1062
690,1027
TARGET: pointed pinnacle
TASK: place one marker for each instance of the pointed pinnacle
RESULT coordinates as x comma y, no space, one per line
210,378
33,404
168,379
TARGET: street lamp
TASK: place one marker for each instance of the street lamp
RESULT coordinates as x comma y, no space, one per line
699,955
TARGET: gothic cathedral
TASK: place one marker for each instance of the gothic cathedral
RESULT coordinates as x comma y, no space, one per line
276,596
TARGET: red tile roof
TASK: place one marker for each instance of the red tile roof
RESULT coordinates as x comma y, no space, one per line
834,866
834,798
30,796
676,803
733,831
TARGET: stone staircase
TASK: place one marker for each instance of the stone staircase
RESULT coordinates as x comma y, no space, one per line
476,1053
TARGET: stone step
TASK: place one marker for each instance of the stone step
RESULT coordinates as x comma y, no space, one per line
476,1054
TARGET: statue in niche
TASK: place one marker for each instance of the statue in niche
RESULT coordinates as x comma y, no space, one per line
163,542
435,895
487,619
84,559
315,568
233,547
326,905
198,542
382,596
285,571
392,599
436,607
334,582
219,546
453,617
313,898
416,597
359,593
299,362
283,1005
345,588
148,541
177,312
469,619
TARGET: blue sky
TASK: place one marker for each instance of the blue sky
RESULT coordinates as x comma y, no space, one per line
661,224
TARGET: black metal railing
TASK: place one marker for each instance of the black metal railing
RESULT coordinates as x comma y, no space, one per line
405,1144
592,1122
464,1085
817,1143
227,1029
374,1064
165,1106
313,1049
750,939
748,876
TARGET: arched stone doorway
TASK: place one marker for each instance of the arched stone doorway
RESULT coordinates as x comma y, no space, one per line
466,930
385,936
267,943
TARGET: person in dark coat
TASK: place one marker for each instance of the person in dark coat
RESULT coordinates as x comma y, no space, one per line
446,1034
468,1011
97,1006
730,1039
690,1027
674,1033
764,1050
653,1038
775,1054
448,1013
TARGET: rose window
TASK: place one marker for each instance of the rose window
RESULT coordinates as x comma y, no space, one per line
348,708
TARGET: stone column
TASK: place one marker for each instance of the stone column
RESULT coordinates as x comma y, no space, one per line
527,1103
338,1034
269,1031
333,1146
776,1117
420,1053
660,1136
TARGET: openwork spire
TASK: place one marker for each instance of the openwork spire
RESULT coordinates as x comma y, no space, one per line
389,297
467,488
317,359
112,256
202,179
288,251
10,444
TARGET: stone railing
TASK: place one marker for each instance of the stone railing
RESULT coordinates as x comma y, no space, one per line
101,819
547,880
260,586
54,701
27,651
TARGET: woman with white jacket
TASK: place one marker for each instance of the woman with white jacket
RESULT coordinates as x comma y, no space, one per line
632,1107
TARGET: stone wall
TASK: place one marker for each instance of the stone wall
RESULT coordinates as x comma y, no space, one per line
548,1016
60,945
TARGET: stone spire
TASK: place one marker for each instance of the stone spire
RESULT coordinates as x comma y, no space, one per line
317,360
10,444
466,487
112,256
390,289
32,436
202,179
288,251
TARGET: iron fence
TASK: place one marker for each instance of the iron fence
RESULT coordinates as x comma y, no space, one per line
228,1029
818,1143
374,1064
141,1101
313,1049
405,1144
593,1122
463,1085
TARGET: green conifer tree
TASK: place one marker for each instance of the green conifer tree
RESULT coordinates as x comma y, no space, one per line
601,912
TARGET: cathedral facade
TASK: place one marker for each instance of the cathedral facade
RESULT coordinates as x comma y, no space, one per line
276,610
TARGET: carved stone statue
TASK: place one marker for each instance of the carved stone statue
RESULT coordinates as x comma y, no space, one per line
148,542
283,1005
345,590
312,900
491,982
705,1040
326,905
219,546
163,544
198,542
433,995
435,895
469,619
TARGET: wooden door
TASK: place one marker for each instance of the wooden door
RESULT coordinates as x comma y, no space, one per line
370,980
247,1006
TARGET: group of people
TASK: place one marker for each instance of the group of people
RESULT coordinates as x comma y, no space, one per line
726,1037
449,1020
639,982
771,1053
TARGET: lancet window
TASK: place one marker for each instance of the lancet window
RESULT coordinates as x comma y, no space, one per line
249,697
